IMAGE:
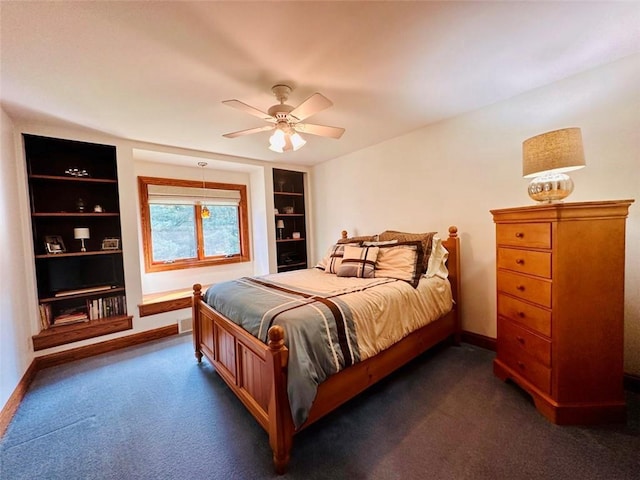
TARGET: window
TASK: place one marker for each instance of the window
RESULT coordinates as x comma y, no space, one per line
174,233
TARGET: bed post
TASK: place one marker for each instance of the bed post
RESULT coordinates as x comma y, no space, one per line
453,264
195,305
280,421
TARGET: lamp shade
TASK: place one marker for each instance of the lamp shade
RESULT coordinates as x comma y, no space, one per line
556,151
297,141
81,233
280,224
285,139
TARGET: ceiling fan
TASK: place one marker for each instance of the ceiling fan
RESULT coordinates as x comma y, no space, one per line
286,120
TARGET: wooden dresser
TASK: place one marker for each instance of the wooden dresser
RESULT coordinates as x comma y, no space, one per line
560,303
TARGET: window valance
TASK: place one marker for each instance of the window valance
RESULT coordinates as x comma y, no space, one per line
174,195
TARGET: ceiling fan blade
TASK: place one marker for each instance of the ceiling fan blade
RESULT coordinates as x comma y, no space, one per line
249,131
322,130
249,109
310,106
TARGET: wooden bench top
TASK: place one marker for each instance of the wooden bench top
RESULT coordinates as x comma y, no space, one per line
154,303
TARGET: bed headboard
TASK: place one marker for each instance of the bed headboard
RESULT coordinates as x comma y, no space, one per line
452,244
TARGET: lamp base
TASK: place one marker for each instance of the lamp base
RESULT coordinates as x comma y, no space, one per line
550,187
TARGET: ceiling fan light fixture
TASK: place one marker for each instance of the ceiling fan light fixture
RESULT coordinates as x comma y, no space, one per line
286,120
297,141
285,139
277,141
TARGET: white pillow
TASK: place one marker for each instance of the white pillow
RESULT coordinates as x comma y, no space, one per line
437,260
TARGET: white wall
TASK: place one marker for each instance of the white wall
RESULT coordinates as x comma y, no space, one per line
455,171
16,351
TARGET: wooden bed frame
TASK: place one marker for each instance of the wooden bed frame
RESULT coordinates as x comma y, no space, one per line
257,373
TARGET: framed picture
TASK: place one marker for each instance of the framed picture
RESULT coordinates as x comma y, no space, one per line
54,244
111,243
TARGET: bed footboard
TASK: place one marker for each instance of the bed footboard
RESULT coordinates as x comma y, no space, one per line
254,371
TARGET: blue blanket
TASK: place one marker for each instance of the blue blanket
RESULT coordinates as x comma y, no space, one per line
319,330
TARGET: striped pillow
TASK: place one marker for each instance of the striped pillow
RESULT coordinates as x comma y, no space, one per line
332,260
358,262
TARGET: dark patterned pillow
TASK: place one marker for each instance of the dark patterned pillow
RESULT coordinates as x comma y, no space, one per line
358,262
425,238
360,239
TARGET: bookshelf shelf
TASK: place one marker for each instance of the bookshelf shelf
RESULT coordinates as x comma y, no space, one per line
289,201
73,186
74,332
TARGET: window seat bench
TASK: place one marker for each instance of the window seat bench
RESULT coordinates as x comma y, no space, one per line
154,303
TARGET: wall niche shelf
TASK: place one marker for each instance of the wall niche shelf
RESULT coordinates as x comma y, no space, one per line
81,290
289,201
63,334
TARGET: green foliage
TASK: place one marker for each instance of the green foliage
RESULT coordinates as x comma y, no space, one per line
221,232
173,231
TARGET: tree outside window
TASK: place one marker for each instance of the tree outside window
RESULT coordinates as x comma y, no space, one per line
175,234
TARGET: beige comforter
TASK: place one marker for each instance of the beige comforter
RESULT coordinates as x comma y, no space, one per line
382,315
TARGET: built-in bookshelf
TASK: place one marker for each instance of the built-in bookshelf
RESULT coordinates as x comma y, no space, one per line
75,220
290,219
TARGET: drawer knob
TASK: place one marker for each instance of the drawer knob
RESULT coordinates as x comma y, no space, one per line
519,234
520,287
520,261
520,339
521,314
520,364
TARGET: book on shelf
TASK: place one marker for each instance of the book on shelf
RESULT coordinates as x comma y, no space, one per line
45,315
106,307
67,318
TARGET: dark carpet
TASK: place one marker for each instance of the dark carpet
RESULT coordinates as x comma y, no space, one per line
151,412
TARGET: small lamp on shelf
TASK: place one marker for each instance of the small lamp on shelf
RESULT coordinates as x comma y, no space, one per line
280,227
547,157
81,234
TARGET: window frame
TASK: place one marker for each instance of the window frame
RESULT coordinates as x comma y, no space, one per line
201,260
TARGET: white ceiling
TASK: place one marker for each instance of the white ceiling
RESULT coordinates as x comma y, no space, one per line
158,71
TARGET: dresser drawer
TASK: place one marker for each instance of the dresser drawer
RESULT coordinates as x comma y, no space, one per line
534,235
525,261
528,288
515,338
527,368
536,318
521,352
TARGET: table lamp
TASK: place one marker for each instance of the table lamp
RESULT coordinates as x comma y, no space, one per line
81,234
280,227
547,157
